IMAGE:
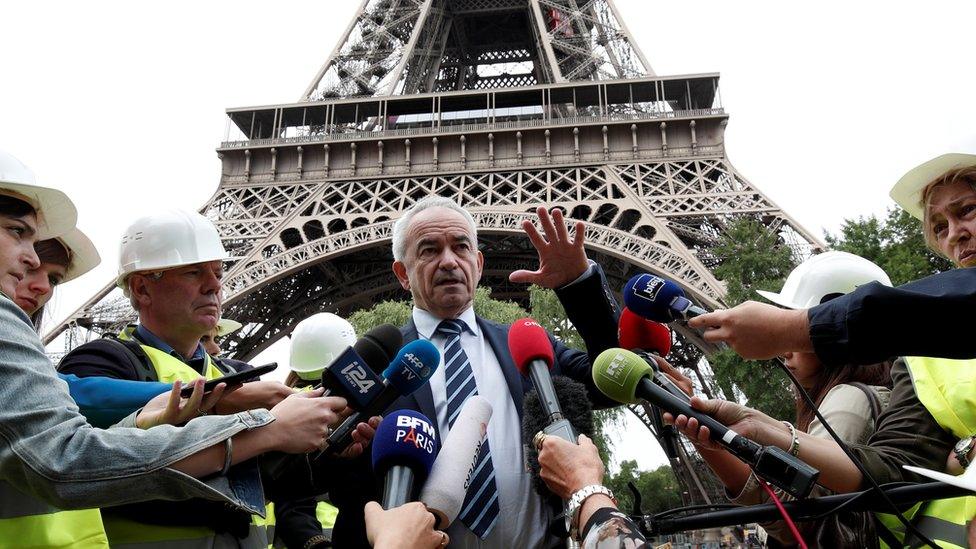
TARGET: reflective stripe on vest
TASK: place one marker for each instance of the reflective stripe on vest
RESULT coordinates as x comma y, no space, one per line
29,522
947,389
129,534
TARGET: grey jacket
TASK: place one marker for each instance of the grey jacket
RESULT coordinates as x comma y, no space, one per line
48,450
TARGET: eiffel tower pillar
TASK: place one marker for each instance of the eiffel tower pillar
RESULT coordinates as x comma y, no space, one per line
502,105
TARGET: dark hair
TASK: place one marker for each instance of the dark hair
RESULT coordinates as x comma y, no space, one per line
872,374
49,251
12,206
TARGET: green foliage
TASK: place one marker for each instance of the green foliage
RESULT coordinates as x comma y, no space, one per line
659,489
396,313
752,258
495,310
896,244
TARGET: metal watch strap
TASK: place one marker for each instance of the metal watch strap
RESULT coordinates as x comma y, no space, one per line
576,501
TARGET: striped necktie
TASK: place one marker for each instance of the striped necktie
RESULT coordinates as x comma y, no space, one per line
479,512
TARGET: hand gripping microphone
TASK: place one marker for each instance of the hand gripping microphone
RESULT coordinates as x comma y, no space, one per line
403,451
448,482
409,371
577,409
531,350
625,377
658,299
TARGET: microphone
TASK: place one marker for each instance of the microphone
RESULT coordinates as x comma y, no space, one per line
658,299
404,449
636,332
625,377
353,374
578,412
531,350
410,370
448,482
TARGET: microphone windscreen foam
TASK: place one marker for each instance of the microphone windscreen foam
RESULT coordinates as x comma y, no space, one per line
636,332
447,485
576,408
616,373
413,366
408,438
378,346
528,341
650,297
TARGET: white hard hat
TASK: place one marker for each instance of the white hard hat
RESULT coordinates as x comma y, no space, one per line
908,191
825,274
56,214
317,341
84,257
172,238
227,326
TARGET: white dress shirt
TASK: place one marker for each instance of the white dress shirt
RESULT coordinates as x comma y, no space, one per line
522,518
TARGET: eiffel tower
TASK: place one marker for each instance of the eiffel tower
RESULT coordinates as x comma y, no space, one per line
503,105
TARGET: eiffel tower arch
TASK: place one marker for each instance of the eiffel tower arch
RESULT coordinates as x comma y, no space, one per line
502,105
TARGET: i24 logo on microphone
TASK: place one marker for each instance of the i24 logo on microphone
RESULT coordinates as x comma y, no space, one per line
356,376
407,433
648,286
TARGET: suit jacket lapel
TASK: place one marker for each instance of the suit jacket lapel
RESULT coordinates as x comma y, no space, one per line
498,339
423,395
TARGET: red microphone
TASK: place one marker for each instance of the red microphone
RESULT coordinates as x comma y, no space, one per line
531,350
635,332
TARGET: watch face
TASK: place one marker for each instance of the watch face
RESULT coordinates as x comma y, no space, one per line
964,445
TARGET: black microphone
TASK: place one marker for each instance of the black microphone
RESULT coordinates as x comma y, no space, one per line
403,452
625,377
409,371
576,409
531,350
347,377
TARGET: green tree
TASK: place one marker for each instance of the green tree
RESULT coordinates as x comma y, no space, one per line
895,243
751,257
659,489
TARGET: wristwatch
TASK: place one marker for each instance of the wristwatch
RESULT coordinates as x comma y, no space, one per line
575,503
962,449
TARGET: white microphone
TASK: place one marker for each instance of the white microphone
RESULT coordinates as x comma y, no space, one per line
447,484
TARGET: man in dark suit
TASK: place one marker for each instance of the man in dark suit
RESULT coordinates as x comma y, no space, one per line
435,247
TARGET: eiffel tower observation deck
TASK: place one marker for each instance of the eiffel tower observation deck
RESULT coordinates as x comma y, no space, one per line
503,105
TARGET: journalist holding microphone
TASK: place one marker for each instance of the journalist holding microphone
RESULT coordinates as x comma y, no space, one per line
930,421
51,455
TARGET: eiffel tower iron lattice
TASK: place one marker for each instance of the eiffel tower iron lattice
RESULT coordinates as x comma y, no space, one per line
503,105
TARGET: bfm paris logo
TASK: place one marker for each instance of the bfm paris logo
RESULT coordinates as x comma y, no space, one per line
407,433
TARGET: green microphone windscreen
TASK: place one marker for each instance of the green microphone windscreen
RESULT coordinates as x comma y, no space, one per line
616,373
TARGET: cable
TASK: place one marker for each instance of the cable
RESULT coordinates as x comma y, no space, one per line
909,527
690,508
782,511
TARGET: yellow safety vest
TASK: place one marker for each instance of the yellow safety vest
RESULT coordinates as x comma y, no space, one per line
127,534
26,521
947,389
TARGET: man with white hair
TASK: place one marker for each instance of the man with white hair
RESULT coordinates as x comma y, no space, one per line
436,259
170,267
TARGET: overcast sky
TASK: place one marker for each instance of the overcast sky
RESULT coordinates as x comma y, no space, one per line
121,104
